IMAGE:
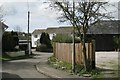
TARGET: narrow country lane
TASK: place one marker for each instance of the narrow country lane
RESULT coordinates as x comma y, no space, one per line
24,68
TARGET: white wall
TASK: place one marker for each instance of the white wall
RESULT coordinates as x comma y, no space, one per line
39,35
35,39
51,35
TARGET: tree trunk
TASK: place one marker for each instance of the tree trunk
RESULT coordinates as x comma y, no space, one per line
84,53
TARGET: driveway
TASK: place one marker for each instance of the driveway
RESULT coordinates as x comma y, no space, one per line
107,60
24,68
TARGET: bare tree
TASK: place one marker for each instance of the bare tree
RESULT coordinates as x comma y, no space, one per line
17,29
2,13
85,15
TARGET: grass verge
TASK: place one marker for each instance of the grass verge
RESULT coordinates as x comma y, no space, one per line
79,70
6,57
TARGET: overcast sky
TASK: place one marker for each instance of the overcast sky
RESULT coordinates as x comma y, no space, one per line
41,16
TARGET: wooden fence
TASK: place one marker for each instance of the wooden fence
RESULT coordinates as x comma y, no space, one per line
63,51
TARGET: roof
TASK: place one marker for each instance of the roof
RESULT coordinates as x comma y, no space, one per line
38,31
103,27
65,29
3,25
52,30
61,30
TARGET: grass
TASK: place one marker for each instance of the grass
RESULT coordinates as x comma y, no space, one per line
6,57
1,58
96,74
118,67
52,61
79,70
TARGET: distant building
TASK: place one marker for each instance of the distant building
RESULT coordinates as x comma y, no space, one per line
104,32
36,34
3,27
23,40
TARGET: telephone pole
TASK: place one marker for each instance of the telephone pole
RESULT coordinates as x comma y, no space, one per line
73,49
29,46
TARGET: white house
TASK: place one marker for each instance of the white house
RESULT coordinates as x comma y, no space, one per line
3,27
36,34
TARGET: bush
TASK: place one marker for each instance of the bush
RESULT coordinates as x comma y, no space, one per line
43,48
45,39
64,39
9,41
45,43
116,43
23,47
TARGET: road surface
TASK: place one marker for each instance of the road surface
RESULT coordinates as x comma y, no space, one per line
24,68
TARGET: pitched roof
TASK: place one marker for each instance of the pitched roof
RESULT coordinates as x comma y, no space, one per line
3,25
61,30
52,30
103,27
65,29
38,31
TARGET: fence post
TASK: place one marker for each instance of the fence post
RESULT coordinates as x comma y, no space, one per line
54,49
93,54
88,53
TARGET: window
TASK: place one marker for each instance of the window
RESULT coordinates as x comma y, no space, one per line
35,36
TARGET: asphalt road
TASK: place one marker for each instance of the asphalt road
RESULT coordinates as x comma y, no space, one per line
24,68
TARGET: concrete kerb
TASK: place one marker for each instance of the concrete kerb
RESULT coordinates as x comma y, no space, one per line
45,73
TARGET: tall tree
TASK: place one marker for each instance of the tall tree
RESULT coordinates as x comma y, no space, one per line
45,39
18,29
86,14
9,41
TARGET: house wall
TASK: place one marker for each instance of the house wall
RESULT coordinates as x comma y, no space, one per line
34,40
51,35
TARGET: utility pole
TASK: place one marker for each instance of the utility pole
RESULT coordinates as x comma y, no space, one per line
73,49
29,46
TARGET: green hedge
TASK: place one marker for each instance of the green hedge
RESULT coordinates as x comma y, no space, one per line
9,41
44,48
61,38
116,43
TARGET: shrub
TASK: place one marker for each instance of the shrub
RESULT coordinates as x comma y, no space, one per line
45,39
9,41
64,39
23,47
43,48
116,43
